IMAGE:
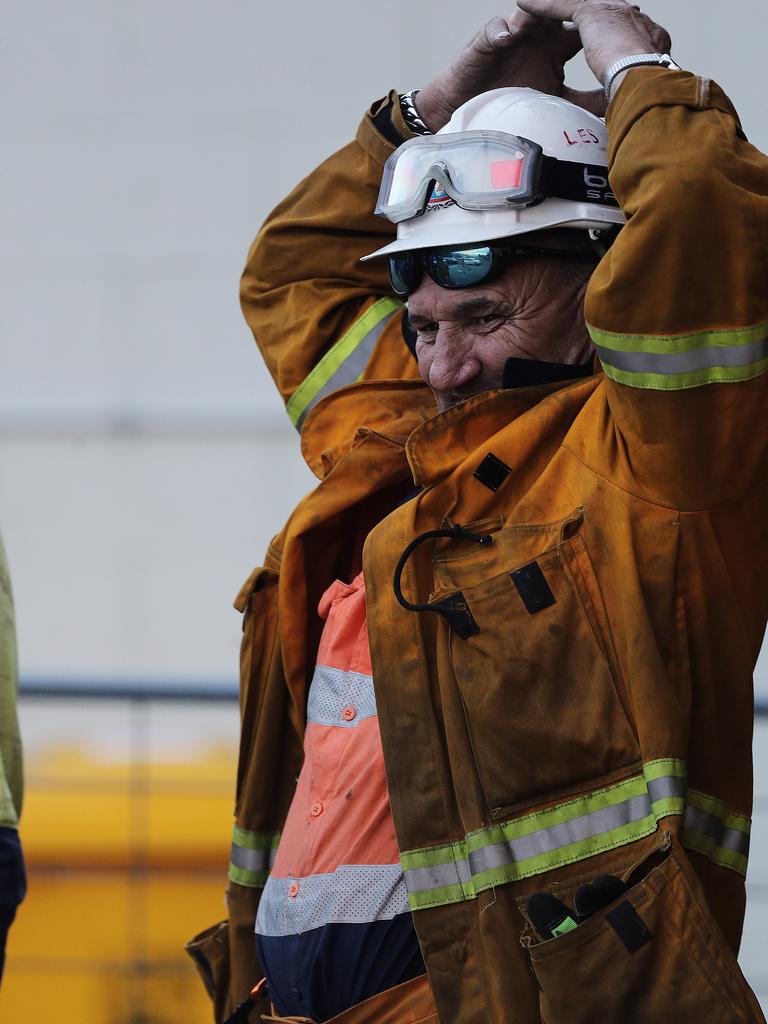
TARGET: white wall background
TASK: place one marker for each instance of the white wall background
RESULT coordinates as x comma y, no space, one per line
144,459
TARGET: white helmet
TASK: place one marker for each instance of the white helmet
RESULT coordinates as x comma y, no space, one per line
574,193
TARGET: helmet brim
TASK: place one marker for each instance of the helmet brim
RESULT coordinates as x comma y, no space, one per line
482,229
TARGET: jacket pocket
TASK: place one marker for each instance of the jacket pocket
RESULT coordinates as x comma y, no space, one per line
546,709
653,955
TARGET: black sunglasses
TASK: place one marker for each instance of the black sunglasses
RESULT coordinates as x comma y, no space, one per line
461,268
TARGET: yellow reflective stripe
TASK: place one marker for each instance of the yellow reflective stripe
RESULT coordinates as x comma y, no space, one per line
252,856
663,344
538,842
345,362
576,830
683,381
714,831
676,362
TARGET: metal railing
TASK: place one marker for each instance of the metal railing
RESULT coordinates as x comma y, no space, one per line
164,691
132,690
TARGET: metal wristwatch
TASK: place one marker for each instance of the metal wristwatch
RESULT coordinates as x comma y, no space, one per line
662,60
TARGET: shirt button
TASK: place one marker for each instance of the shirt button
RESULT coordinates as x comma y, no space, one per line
349,713
293,889
316,809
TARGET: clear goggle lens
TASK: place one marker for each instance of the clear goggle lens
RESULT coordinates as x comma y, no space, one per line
478,170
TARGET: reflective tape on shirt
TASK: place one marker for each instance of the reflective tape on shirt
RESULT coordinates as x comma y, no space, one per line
711,829
352,894
345,362
538,842
676,362
333,690
252,856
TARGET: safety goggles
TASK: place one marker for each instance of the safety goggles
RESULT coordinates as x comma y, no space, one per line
465,267
481,170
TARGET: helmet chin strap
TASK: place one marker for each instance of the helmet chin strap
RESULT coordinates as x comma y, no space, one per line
409,334
528,373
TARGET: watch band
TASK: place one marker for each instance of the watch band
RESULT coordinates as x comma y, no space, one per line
411,114
637,60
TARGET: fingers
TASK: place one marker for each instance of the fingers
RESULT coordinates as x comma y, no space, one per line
659,35
522,22
561,10
498,33
565,41
663,40
564,10
494,35
571,43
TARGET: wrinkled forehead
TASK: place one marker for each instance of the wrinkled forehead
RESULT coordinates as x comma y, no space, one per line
433,302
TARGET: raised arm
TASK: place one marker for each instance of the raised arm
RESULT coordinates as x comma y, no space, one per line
316,311
678,309
321,318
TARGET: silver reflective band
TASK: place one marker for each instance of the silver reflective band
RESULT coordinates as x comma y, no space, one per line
675,362
638,60
334,689
543,840
252,856
671,363
603,820
711,825
710,828
352,894
345,362
251,860
512,853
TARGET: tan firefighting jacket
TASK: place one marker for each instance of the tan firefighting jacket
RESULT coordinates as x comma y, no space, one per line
576,700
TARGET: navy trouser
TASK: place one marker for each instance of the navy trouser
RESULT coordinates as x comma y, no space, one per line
13,883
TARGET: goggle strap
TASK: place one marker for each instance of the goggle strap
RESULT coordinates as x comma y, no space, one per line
583,183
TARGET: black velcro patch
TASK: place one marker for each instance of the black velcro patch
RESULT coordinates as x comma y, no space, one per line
455,611
533,588
492,472
629,926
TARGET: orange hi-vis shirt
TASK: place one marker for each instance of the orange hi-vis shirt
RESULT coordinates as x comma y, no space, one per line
334,926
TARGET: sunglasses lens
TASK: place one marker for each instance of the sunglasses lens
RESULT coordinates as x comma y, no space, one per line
460,268
403,273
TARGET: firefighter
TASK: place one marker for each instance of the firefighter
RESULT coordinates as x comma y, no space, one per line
497,669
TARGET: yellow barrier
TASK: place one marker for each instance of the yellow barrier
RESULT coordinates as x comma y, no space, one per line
126,861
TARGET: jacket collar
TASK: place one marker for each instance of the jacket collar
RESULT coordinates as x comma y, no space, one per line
437,446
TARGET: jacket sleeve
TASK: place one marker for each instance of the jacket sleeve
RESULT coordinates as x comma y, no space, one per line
321,318
678,309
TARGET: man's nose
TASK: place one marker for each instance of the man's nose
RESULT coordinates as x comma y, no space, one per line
453,365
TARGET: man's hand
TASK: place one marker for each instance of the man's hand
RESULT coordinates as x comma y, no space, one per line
609,29
522,50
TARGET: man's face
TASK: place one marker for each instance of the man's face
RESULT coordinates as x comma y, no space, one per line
533,310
